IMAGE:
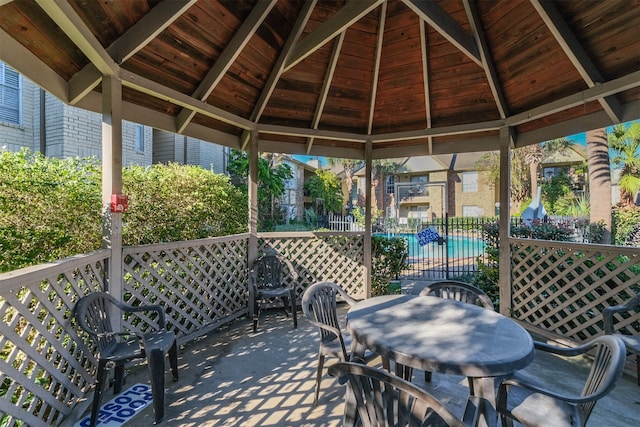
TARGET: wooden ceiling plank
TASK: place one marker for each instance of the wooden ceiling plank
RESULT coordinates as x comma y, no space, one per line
485,56
326,85
442,22
28,64
278,68
149,27
376,68
157,90
134,39
347,15
61,12
232,50
576,54
629,81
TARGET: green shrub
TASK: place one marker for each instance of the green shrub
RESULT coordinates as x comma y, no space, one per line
625,222
389,256
52,208
173,202
49,208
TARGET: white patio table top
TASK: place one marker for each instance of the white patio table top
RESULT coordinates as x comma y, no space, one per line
441,335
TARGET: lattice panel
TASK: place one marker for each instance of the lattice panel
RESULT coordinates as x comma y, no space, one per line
563,287
45,366
321,257
199,283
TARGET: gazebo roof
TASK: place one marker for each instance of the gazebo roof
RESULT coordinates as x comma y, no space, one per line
324,78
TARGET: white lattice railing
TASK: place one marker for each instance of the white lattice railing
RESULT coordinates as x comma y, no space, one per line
562,287
44,366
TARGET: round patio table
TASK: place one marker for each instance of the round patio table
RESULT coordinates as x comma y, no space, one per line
441,335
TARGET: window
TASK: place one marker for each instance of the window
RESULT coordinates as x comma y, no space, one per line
139,147
471,211
391,184
419,212
469,182
10,95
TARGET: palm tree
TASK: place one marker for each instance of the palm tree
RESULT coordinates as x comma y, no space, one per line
349,167
599,180
625,143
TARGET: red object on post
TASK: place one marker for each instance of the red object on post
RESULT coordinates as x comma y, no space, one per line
119,203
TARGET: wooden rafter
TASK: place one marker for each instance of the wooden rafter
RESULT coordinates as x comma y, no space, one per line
576,54
224,62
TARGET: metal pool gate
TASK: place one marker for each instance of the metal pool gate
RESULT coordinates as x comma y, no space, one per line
453,253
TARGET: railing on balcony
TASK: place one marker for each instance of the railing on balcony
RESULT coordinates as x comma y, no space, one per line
47,368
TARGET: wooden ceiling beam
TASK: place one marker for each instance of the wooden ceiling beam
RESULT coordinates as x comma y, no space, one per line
576,54
326,86
595,93
443,23
485,57
127,45
343,19
278,67
61,12
376,67
225,60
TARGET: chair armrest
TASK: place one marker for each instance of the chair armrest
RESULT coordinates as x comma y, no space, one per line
607,313
142,308
522,383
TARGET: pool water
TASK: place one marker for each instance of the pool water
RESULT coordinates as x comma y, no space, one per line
456,246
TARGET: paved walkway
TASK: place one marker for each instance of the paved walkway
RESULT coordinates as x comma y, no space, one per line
234,377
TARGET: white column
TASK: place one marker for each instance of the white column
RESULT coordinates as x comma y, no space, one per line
368,162
504,263
253,197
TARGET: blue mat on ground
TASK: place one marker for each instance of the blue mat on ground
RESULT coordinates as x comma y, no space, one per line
122,407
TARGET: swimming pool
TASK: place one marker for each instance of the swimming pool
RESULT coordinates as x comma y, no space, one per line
457,247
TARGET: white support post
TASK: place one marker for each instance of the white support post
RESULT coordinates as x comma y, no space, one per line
504,263
112,181
252,250
368,161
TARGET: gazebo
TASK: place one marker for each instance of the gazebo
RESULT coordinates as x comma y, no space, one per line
361,79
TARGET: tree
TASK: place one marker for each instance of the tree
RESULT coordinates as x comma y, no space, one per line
326,186
272,176
520,173
599,180
536,153
349,167
625,143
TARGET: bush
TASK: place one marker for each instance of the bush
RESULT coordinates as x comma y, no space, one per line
626,221
172,202
389,256
52,208
49,208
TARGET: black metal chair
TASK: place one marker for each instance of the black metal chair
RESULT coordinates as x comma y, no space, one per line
627,314
266,283
531,404
458,291
114,349
377,398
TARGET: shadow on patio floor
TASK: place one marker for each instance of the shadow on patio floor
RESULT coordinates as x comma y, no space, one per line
234,377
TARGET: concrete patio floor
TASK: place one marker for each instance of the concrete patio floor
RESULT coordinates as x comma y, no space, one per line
233,377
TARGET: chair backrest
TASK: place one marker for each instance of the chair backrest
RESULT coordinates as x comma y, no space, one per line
267,272
608,364
459,291
92,314
319,305
383,399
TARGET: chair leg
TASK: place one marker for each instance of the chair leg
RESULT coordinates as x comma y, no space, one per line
427,376
294,308
118,378
101,377
318,378
155,363
638,368
256,315
173,360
